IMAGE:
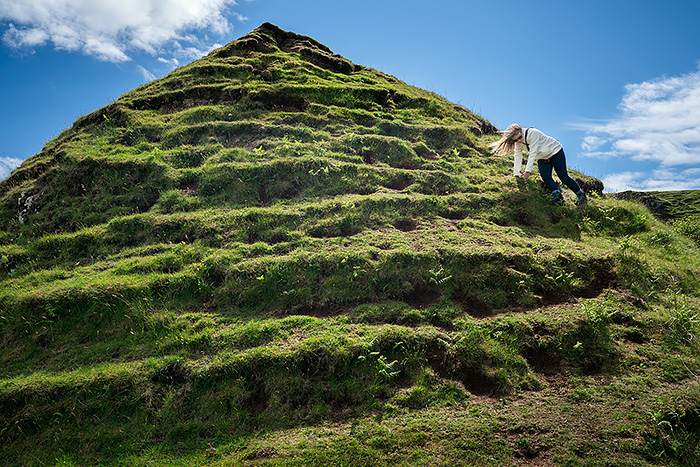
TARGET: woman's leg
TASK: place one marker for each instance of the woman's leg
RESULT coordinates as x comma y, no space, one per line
546,174
559,164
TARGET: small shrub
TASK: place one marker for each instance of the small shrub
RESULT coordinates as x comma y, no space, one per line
589,346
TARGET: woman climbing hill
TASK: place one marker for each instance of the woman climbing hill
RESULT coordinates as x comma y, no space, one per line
549,154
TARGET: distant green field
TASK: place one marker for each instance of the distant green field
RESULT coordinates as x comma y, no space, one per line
682,203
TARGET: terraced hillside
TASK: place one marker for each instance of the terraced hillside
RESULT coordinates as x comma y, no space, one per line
274,256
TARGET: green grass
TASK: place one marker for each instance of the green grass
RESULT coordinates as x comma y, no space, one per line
273,256
681,203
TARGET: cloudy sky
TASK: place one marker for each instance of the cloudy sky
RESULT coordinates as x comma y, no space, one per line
617,82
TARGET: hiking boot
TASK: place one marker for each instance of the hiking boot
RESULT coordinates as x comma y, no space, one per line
557,198
581,198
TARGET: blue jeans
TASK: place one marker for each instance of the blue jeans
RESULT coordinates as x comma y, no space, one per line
558,163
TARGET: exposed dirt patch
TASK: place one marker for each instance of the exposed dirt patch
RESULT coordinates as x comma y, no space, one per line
258,400
472,379
544,361
400,182
421,298
475,308
174,101
447,366
479,383
405,225
453,215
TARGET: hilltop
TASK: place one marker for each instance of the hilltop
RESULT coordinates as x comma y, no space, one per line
275,256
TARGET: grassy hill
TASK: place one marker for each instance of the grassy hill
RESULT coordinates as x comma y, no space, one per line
667,205
274,256
682,203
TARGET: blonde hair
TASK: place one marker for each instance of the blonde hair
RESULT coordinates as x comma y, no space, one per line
505,145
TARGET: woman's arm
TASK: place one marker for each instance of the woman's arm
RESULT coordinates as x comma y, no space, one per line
517,159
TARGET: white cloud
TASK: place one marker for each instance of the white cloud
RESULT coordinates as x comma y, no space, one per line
592,143
7,165
621,181
657,180
111,30
172,62
659,123
147,75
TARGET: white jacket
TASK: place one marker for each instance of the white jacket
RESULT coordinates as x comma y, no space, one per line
541,147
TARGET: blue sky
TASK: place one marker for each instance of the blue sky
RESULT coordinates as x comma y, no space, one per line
617,82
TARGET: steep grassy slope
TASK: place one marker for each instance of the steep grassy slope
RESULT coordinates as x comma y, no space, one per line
275,256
